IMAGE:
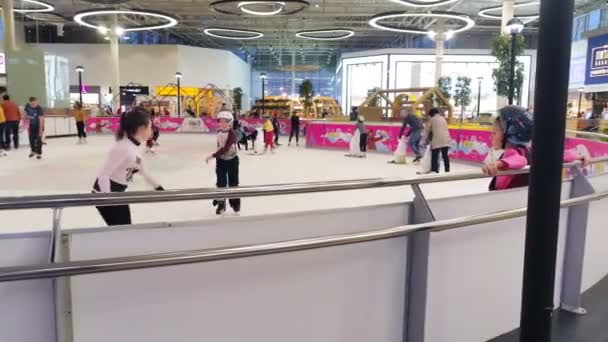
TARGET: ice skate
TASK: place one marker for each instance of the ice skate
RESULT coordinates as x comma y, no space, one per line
236,207
221,206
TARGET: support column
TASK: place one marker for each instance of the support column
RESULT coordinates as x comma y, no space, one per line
544,194
8,18
508,11
115,60
439,52
115,72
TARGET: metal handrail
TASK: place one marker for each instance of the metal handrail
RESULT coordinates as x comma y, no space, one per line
589,134
98,199
105,265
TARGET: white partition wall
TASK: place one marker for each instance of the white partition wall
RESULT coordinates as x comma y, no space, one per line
347,293
361,75
475,273
27,309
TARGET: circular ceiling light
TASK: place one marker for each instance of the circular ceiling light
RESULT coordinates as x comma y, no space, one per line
278,6
423,3
328,34
484,11
42,7
47,17
466,21
272,7
219,32
169,21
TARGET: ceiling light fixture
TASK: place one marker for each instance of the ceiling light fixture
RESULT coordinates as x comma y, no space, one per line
325,34
279,5
239,7
245,34
423,3
484,11
44,7
80,18
468,23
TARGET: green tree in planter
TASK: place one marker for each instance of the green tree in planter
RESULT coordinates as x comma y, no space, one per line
237,96
374,102
501,49
445,86
462,93
306,95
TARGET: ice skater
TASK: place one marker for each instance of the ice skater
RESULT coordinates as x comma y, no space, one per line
268,129
362,135
81,120
153,140
123,162
414,135
227,162
35,115
295,129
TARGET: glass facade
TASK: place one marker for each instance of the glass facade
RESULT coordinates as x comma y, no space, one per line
279,83
408,71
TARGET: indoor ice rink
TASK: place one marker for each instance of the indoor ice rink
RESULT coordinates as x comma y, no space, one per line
120,219
179,163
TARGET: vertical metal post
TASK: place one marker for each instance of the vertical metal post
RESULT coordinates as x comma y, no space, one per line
418,248
439,51
580,99
179,97
263,95
512,68
542,228
479,98
61,286
80,86
574,255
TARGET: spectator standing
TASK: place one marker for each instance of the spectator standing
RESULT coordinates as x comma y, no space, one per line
438,133
13,117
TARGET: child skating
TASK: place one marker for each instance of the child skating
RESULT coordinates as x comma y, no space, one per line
268,135
227,162
123,162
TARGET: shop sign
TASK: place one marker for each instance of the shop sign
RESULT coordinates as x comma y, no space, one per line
134,90
597,60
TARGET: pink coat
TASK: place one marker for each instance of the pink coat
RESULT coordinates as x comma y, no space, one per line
515,159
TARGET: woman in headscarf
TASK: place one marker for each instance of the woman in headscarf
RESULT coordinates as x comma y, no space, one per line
512,132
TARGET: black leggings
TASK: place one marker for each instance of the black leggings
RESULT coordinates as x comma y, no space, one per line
435,159
11,128
81,131
295,132
116,215
35,139
363,142
227,172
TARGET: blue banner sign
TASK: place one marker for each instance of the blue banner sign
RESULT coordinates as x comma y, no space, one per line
597,60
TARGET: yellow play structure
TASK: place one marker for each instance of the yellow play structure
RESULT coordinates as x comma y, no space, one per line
416,100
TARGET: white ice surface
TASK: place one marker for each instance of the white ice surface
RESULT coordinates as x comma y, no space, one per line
179,164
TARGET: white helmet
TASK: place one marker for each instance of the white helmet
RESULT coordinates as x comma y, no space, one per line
361,118
225,115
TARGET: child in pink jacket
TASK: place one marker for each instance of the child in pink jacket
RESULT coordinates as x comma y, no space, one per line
512,132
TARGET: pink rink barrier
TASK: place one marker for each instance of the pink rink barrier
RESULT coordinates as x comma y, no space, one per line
468,145
105,125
